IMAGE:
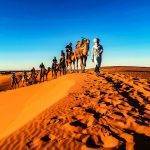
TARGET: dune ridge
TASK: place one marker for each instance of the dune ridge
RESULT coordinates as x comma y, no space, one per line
19,106
106,112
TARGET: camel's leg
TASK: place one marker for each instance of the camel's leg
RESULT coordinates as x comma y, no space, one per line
81,63
52,74
55,74
40,78
43,78
18,84
12,85
59,72
85,59
15,85
63,71
74,68
66,65
77,61
70,67
84,62
46,76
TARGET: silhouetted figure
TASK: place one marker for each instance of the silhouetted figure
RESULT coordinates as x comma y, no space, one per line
62,63
42,65
33,76
47,72
42,72
14,81
24,78
54,67
69,51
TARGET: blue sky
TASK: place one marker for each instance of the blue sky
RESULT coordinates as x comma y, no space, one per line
33,31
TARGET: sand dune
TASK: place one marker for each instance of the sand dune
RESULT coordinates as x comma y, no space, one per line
19,106
4,82
107,112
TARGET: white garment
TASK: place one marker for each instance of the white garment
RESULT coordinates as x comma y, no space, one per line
97,50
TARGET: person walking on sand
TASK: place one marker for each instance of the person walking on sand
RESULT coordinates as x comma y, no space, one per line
97,51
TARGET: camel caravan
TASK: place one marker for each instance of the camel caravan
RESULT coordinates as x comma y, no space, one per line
69,62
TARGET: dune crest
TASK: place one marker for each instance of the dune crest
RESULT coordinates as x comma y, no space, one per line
19,106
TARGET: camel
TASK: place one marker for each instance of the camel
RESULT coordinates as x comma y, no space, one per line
69,61
15,81
32,79
81,53
69,54
62,65
24,78
74,61
44,72
55,69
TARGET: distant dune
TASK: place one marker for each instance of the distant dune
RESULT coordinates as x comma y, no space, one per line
79,111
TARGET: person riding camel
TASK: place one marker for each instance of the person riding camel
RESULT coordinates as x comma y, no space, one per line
24,78
62,63
62,53
42,65
55,60
33,70
54,67
69,50
97,51
14,80
33,74
62,57
25,75
42,72
54,63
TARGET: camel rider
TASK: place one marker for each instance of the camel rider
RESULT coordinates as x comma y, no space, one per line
62,57
69,50
62,63
13,79
62,53
54,62
13,76
25,76
33,73
33,70
97,51
42,65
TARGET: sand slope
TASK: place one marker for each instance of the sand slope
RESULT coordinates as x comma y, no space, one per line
19,106
107,112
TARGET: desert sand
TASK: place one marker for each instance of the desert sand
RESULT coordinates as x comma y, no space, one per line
79,111
4,82
21,105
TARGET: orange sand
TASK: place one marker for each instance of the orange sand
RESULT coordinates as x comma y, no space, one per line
19,106
111,111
